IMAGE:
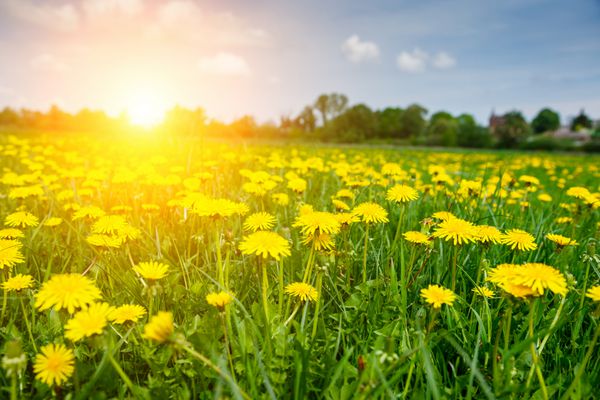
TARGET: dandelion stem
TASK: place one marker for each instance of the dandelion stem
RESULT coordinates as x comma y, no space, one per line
366,245
534,355
120,371
218,370
581,368
27,324
227,347
318,306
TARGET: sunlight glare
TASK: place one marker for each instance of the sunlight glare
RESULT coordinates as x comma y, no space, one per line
146,109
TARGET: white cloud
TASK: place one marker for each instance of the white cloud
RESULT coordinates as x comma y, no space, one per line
223,63
99,8
48,62
413,62
63,17
358,51
443,60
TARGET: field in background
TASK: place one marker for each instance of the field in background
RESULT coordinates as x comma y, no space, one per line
288,272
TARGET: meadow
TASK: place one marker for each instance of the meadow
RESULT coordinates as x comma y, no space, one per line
173,268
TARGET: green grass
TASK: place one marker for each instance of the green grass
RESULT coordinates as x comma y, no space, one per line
373,339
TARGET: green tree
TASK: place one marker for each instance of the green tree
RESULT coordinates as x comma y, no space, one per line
513,130
470,134
442,130
582,121
8,116
357,123
389,122
306,120
330,106
412,121
546,120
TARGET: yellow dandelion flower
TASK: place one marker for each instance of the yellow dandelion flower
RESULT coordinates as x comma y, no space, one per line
443,215
18,282
416,237
483,291
91,212
518,239
340,205
345,194
402,194
437,295
219,300
371,213
21,219
88,322
68,291
578,192
281,198
346,219
10,253
457,231
594,293
160,328
265,243
563,220
317,221
560,240
99,240
302,291
321,241
487,234
54,364
109,224
151,270
53,221
126,313
544,197
298,185
11,233
260,221
539,277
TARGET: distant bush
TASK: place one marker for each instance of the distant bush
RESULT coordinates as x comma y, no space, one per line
592,146
547,143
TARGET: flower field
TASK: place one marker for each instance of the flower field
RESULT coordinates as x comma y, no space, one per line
160,269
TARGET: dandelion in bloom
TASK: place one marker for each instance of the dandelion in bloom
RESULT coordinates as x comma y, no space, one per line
21,219
320,241
416,237
488,234
593,293
539,277
219,300
10,253
54,364
151,270
371,213
126,313
437,296
346,219
340,205
303,291
260,221
317,221
443,215
160,328
560,240
401,194
11,233
518,239
69,291
88,322
53,221
18,283
265,243
483,291
456,230
281,199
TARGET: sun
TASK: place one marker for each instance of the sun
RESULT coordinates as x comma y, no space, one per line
146,109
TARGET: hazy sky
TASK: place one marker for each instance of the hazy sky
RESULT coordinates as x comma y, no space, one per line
270,57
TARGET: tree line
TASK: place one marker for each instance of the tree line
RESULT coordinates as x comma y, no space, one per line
331,118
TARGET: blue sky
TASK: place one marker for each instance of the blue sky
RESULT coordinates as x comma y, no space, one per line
269,58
